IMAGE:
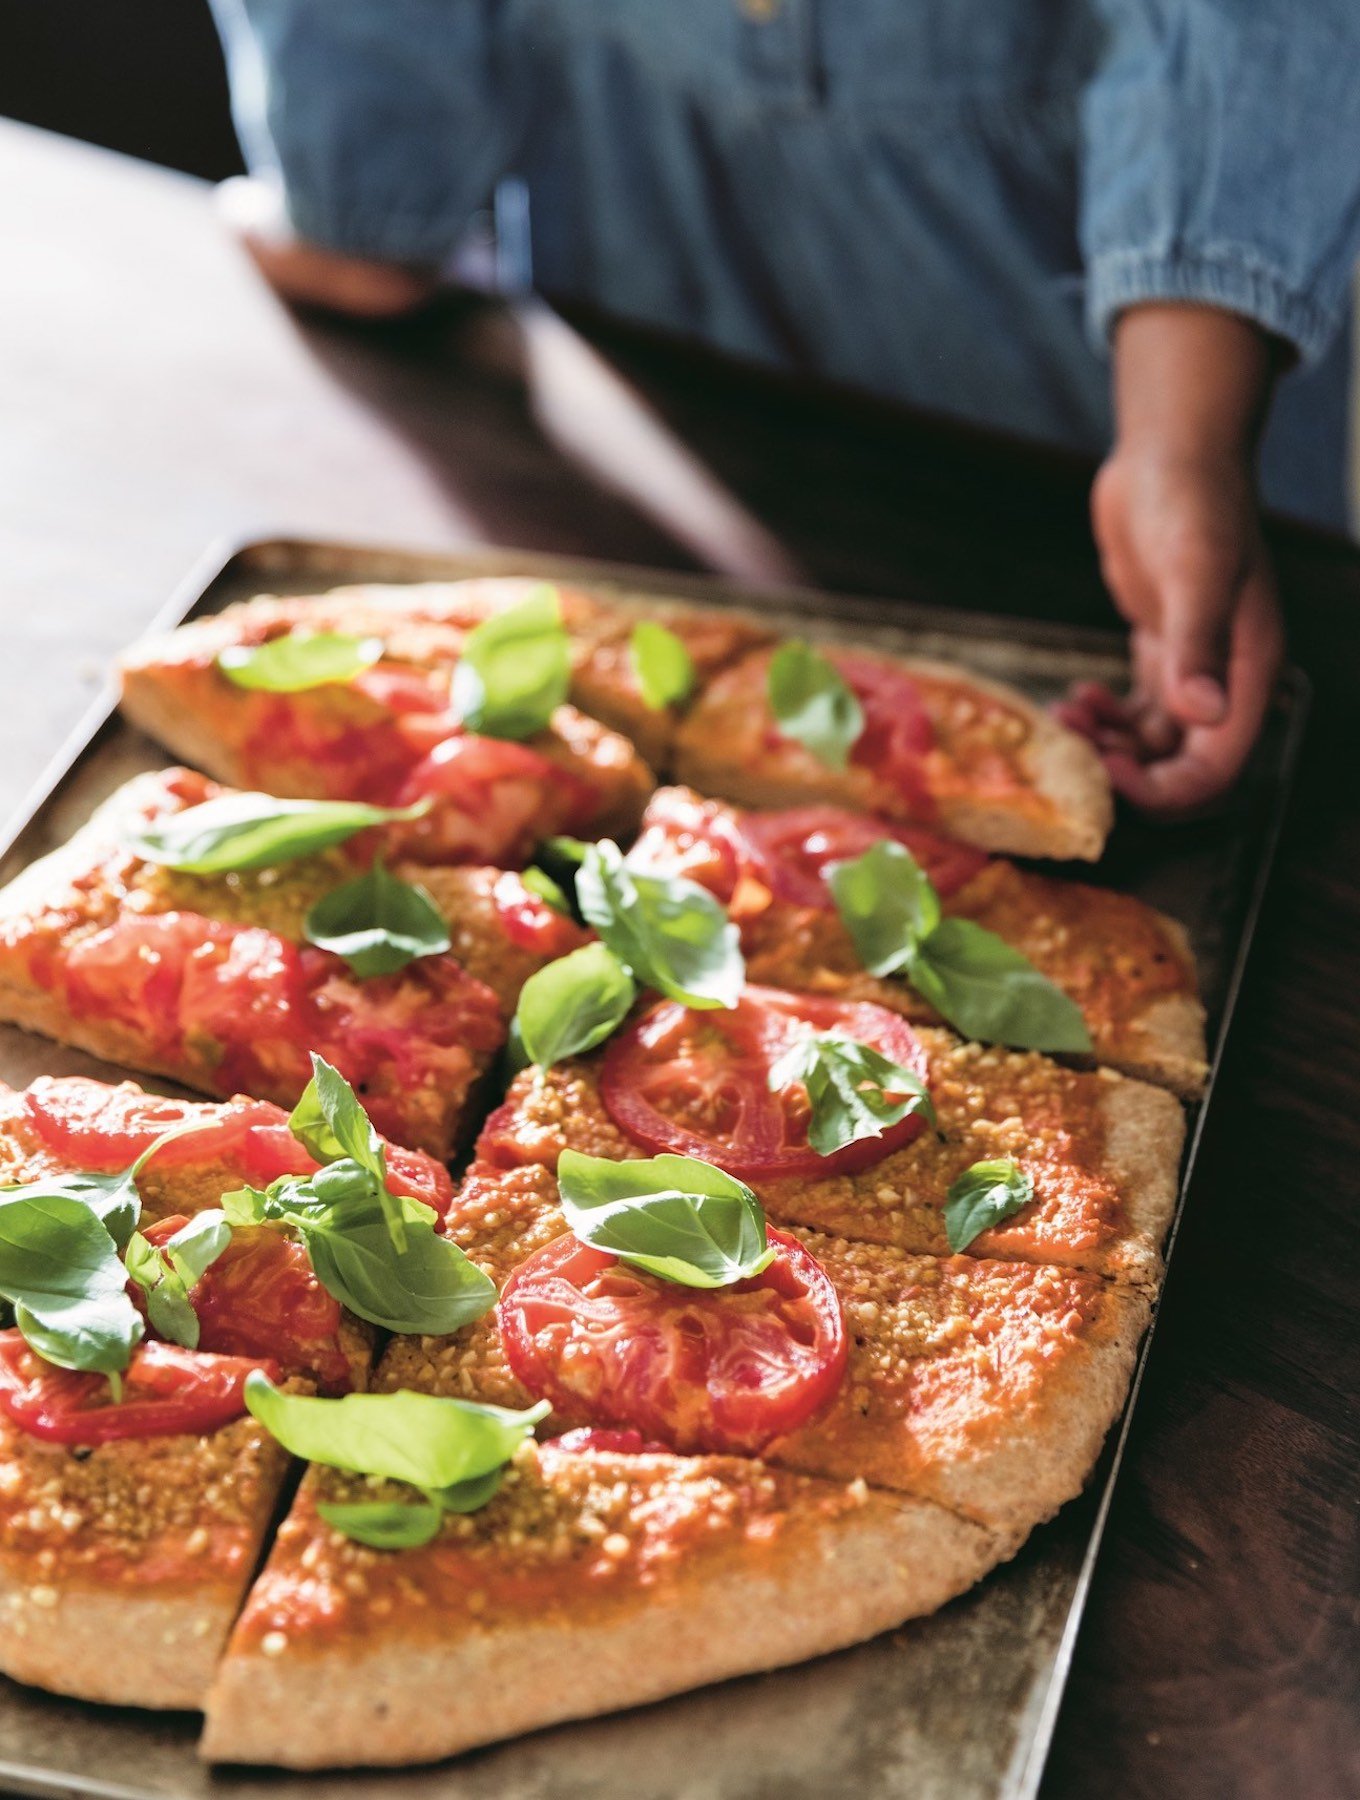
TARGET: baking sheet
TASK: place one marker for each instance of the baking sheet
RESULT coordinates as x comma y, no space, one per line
959,1706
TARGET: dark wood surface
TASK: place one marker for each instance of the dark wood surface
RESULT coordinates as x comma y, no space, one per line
155,398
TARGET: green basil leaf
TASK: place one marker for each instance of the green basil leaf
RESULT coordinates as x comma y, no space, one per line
812,704
983,1196
256,831
197,1244
300,660
848,1087
987,990
168,1272
172,1312
573,1004
60,1270
515,669
426,1286
329,1123
384,1524
424,1439
674,1216
470,1496
113,1199
887,904
538,881
662,665
669,933
377,923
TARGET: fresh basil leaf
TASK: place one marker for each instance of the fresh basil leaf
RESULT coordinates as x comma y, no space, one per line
674,1216
812,703
426,1286
471,1495
384,1524
257,831
515,669
538,881
983,1196
987,990
573,1004
669,933
329,1123
886,902
662,665
423,1439
113,1199
168,1273
377,923
60,1270
300,660
848,1087
198,1243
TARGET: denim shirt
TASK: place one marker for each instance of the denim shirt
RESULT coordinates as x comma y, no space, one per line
947,201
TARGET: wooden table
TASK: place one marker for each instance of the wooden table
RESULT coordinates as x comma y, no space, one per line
155,397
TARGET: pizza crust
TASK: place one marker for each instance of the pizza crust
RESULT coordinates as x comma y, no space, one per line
418,1687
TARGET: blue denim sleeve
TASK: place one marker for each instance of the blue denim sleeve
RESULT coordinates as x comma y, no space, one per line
382,118
1221,161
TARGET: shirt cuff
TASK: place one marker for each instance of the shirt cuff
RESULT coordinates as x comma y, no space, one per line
1117,279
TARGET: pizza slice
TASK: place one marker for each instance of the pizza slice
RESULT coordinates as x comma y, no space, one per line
912,741
981,1385
1128,967
595,1579
156,939
1090,1157
130,1523
354,695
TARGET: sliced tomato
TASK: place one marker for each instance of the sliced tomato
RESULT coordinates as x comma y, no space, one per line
261,1298
898,733
599,1440
697,839
727,1369
131,972
165,1390
791,851
93,1126
531,923
697,1083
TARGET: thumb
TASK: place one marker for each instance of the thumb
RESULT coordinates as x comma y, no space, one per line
1197,607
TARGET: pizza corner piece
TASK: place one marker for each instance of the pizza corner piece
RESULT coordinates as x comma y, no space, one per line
219,937
595,1579
135,1491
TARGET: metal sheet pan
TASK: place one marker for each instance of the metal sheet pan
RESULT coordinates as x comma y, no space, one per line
959,1706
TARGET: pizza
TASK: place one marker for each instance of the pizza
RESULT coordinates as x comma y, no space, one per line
812,1166
1128,967
129,1531
928,743
209,978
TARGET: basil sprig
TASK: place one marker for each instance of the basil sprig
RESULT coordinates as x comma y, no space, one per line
983,1196
453,1452
169,1272
376,1252
515,669
669,933
812,703
974,979
662,666
573,1004
60,1268
299,660
377,923
849,1088
674,1216
257,831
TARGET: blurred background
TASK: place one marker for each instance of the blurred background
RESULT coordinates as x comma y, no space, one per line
141,76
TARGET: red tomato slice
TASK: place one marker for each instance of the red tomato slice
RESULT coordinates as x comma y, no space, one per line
898,733
598,1440
259,1299
165,1389
531,923
724,1370
90,1125
697,839
791,851
697,1083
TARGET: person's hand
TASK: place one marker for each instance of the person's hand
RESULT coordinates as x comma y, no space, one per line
1175,519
